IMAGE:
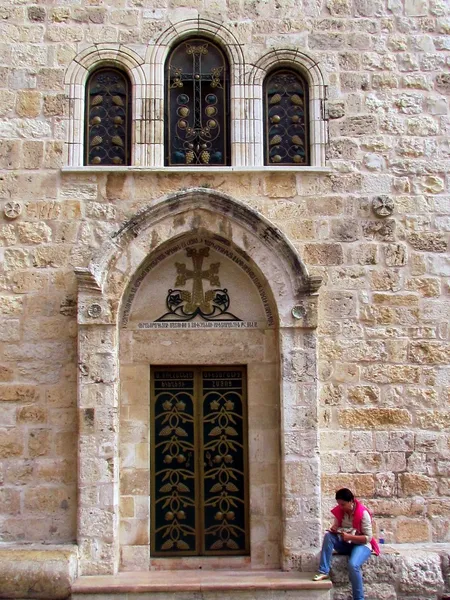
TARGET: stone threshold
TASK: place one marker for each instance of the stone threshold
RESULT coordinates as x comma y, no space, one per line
196,581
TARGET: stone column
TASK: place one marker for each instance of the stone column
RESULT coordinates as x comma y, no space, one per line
300,461
98,456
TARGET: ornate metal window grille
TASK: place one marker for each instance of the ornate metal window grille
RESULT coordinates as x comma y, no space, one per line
108,118
197,87
286,119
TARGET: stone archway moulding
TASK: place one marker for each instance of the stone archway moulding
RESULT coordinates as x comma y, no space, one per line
317,87
147,78
101,290
75,85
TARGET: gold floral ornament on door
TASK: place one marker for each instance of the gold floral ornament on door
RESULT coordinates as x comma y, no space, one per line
199,461
184,305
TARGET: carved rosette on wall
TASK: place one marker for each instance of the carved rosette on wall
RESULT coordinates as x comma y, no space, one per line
184,305
383,206
12,210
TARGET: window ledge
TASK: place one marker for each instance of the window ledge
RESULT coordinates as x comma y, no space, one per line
202,170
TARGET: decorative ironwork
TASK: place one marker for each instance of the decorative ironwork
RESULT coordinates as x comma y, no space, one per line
197,99
108,118
199,461
286,104
211,305
224,475
174,465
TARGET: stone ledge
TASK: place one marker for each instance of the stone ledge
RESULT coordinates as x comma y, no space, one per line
196,581
419,570
201,170
34,571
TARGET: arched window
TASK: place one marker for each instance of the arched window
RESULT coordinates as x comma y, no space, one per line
197,90
286,139
108,118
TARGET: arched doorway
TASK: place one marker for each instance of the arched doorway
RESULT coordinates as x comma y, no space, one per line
132,297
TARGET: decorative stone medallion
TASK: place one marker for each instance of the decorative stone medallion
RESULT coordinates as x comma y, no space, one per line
298,312
94,311
12,210
383,206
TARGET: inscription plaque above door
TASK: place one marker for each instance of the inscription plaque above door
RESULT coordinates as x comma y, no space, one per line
199,482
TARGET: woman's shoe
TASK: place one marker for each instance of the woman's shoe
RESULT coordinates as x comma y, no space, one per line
320,576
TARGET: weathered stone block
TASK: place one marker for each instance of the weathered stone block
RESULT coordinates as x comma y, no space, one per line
421,574
411,484
428,242
28,103
374,418
324,254
49,572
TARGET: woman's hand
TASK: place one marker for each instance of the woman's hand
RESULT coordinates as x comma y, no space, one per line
346,537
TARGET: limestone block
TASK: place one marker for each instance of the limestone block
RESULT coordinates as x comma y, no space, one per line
428,242
280,186
380,230
433,419
36,13
421,574
429,185
47,572
363,394
429,352
134,482
11,306
358,125
324,254
385,485
33,233
395,255
374,418
362,485
423,125
39,442
10,156
28,103
385,81
416,485
33,152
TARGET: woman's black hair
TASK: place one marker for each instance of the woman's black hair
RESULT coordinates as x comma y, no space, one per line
345,494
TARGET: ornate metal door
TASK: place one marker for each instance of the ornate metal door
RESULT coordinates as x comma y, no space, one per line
199,491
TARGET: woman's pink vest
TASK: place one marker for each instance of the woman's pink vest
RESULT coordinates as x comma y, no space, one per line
338,512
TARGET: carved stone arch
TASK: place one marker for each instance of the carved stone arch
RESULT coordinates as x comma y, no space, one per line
316,78
75,85
217,32
102,289
156,57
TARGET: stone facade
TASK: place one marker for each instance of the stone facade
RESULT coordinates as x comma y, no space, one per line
356,378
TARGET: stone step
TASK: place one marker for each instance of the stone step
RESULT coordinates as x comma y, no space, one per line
201,585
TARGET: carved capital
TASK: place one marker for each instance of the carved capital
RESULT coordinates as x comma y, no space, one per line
87,282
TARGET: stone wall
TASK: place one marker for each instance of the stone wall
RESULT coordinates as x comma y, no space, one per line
383,310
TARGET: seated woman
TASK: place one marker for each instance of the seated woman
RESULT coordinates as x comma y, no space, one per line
350,534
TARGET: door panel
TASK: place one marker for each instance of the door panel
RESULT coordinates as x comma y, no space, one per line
224,484
174,475
199,461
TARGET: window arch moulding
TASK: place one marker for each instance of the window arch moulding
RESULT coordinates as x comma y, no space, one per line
315,77
156,58
87,62
246,100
